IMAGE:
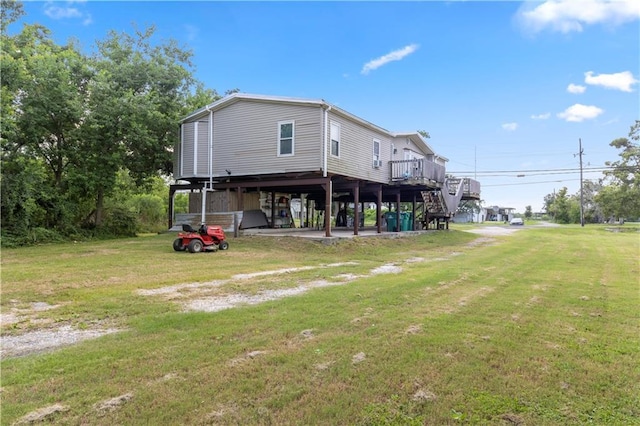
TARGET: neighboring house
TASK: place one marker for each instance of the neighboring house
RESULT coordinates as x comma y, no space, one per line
470,216
255,152
500,214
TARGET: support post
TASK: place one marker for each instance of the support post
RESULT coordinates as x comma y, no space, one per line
413,213
203,194
379,209
306,213
172,193
240,195
327,206
273,209
356,208
398,212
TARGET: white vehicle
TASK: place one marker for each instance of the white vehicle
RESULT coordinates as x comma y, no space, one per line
516,221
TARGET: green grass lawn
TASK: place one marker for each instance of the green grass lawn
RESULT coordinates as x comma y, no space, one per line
539,327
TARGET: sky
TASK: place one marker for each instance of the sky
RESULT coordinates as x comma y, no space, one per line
507,90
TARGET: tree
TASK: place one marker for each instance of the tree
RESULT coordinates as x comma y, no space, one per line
72,124
549,201
528,213
621,197
561,207
592,209
424,134
43,104
138,95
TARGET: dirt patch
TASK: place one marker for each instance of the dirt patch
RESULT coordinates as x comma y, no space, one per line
324,365
41,415
512,419
246,357
223,411
178,289
44,340
358,358
386,269
413,329
422,395
288,270
112,404
19,313
494,231
307,334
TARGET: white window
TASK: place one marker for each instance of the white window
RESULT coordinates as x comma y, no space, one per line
286,137
376,154
335,139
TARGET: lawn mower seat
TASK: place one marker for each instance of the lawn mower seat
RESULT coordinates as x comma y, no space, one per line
187,228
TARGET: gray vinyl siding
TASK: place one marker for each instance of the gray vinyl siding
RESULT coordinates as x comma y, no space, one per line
192,155
245,138
187,150
202,159
177,173
404,143
356,151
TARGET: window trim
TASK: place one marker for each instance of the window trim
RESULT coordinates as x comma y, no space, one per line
339,140
376,157
280,138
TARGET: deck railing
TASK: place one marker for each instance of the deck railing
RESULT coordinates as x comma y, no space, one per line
416,170
471,187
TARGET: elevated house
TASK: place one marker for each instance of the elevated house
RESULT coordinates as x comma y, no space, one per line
254,153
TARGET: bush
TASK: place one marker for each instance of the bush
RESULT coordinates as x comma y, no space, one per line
119,222
150,211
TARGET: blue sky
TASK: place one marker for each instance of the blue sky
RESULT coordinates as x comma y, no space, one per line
504,88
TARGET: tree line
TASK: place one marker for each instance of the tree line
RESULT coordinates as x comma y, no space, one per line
614,197
87,138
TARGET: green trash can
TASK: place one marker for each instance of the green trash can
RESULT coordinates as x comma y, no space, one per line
405,218
391,221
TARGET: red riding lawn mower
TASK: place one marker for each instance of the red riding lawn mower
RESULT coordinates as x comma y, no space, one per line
207,238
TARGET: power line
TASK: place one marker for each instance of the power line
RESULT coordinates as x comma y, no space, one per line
520,175
530,183
549,171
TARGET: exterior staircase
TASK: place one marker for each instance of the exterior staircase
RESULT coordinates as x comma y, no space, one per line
441,204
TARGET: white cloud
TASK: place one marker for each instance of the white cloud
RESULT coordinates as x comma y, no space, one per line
579,112
510,126
572,15
618,81
396,55
191,31
66,11
576,88
544,116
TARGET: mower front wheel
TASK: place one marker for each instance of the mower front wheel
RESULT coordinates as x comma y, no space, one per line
177,245
195,246
223,245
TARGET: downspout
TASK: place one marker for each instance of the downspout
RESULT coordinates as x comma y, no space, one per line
329,186
210,166
210,148
324,145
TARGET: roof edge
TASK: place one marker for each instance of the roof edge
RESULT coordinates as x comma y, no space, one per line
235,97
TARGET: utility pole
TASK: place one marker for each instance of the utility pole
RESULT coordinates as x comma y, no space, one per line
581,192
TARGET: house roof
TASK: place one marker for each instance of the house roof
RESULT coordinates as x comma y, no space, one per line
416,137
235,97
